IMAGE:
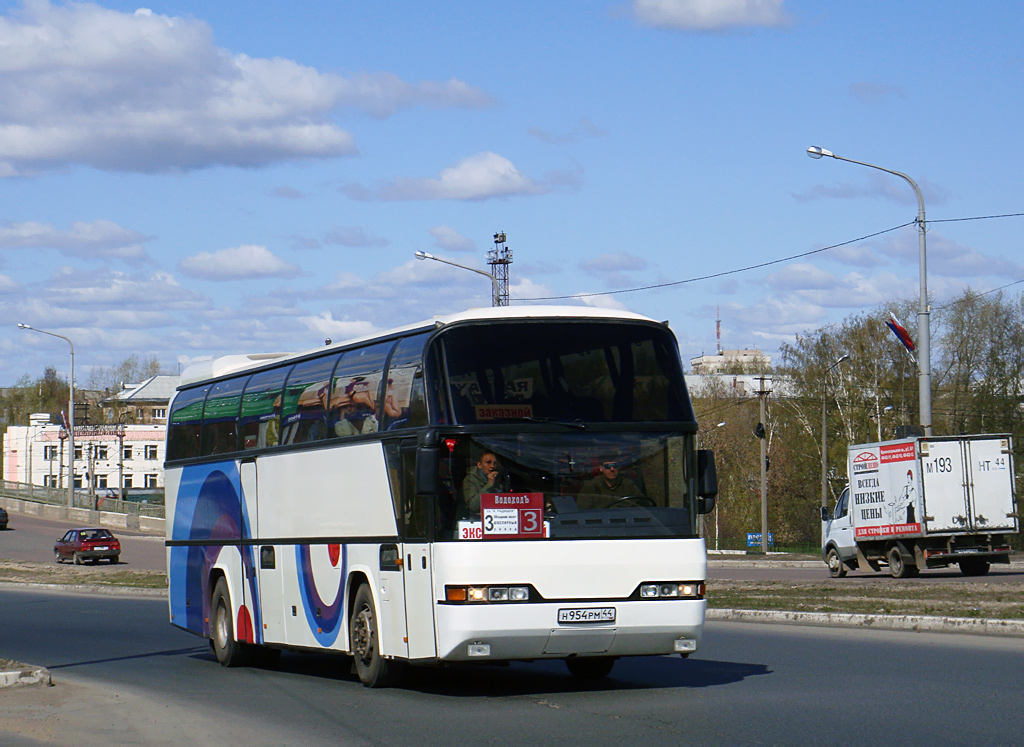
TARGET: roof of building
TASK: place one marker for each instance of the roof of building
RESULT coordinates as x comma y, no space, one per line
156,389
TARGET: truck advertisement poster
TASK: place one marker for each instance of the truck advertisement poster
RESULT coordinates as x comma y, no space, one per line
885,490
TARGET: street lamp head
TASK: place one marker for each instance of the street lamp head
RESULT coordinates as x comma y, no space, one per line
842,358
815,152
424,255
23,326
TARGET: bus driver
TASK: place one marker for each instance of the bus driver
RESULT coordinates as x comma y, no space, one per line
485,477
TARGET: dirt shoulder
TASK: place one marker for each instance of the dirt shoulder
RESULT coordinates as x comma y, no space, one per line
66,574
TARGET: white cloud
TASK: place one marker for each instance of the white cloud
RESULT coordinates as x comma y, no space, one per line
448,238
584,129
709,15
327,326
478,177
354,236
246,262
876,93
101,238
142,92
615,262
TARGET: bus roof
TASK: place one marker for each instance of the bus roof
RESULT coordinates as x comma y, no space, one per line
217,367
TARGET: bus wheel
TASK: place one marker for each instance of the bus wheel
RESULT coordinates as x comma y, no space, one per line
836,567
591,668
230,653
364,639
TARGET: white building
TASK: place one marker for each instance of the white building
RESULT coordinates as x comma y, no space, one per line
106,456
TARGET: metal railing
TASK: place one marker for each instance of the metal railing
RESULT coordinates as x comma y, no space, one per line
83,499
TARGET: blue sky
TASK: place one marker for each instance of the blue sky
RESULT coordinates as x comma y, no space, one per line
194,179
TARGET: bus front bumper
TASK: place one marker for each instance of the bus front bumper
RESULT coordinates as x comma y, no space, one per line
505,632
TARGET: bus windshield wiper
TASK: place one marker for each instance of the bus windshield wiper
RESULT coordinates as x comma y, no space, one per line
578,424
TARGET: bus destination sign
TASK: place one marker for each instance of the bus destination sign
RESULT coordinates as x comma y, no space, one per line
512,514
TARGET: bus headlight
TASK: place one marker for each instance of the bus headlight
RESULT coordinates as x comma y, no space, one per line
485,594
672,590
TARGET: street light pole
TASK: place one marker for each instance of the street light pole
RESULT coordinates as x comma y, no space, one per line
495,287
824,431
71,412
924,363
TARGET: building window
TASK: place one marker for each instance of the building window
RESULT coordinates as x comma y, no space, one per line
50,481
100,452
78,452
126,454
150,451
78,481
49,453
150,481
159,412
128,483
101,481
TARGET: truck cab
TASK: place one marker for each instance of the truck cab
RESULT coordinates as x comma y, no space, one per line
838,548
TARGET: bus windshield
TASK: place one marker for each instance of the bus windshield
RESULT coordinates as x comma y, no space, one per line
577,485
564,371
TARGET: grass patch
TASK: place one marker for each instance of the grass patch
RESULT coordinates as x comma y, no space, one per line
102,574
873,597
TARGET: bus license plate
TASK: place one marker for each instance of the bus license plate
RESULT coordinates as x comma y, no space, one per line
587,615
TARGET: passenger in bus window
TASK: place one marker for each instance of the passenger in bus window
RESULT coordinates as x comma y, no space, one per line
485,477
268,430
356,409
608,486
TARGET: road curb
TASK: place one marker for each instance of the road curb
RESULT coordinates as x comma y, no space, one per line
129,591
23,675
911,623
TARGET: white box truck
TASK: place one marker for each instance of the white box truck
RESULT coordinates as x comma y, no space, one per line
920,502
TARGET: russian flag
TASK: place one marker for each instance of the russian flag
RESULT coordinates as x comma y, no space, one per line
901,332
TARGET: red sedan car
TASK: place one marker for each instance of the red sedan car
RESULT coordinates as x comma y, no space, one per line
87,544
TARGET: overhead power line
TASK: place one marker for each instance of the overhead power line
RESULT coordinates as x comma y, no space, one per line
790,258
724,272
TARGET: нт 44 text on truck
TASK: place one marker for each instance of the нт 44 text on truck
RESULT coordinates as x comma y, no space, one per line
920,502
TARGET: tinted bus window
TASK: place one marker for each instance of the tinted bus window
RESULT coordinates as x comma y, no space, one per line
564,371
404,405
304,410
261,409
184,425
356,390
220,417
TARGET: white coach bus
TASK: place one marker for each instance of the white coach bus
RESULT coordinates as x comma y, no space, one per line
500,484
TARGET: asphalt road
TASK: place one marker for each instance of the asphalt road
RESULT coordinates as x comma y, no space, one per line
31,538
124,675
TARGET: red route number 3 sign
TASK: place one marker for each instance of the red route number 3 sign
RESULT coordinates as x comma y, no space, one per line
512,514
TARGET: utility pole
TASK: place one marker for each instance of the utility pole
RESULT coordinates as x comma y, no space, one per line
762,394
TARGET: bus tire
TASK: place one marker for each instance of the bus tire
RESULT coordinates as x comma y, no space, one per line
229,652
364,639
590,667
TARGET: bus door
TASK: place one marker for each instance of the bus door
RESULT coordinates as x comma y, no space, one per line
416,561
266,565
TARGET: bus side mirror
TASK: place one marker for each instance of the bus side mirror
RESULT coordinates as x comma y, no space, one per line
707,481
824,514
428,462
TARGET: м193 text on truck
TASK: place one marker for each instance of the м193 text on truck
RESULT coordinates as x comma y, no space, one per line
919,503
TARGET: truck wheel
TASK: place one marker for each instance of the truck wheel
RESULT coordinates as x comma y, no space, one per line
974,567
897,567
230,652
364,639
836,566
